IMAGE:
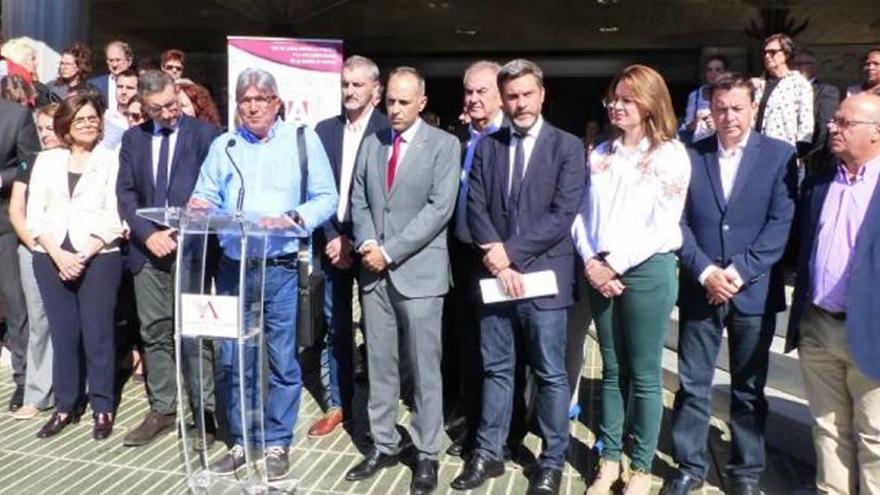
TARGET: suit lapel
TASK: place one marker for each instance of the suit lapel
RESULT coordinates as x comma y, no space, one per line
542,148
502,147
147,159
181,143
746,164
713,169
872,216
339,135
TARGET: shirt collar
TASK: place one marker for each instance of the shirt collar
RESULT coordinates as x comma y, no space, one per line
410,133
534,130
157,128
870,170
493,125
252,138
737,148
618,149
361,123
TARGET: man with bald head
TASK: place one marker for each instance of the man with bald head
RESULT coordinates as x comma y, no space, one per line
836,307
405,187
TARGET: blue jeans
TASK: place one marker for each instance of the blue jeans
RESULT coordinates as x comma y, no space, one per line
542,334
281,405
749,338
337,368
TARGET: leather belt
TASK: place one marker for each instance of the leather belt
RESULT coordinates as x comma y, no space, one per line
836,316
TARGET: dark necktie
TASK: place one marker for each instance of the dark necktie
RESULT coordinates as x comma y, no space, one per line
160,194
392,162
519,167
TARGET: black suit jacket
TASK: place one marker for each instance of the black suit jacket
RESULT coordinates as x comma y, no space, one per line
18,143
135,184
749,230
551,194
331,131
825,100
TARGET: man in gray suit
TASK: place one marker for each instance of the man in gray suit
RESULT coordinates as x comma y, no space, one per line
405,189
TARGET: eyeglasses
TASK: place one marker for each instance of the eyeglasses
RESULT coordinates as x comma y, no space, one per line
844,124
617,100
772,51
174,68
84,121
67,64
257,101
156,109
134,115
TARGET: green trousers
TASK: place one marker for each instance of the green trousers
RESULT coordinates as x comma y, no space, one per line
632,331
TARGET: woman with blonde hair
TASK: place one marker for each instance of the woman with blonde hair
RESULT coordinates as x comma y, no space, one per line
627,232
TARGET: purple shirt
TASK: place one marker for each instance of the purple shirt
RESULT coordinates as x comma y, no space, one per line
839,223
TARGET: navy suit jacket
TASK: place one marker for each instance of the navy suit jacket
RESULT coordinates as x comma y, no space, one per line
750,230
551,194
18,143
331,131
102,84
863,298
135,184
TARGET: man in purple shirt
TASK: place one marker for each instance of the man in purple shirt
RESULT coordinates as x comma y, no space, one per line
836,308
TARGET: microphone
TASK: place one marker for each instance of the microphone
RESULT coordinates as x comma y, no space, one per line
240,202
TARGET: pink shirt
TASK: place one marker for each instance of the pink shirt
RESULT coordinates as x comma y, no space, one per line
837,231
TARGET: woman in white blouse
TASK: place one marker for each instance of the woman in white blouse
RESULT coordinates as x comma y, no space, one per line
72,215
697,119
627,231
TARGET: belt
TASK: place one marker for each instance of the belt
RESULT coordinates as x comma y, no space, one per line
287,260
836,316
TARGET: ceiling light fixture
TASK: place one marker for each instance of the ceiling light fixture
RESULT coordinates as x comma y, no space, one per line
608,29
470,31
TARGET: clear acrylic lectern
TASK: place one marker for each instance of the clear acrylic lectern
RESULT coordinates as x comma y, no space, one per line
206,315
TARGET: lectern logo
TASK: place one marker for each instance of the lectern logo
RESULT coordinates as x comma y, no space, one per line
205,309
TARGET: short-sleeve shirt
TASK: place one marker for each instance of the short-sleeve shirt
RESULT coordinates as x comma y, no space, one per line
23,172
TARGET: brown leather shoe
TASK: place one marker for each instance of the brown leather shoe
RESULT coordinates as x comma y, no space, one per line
103,426
154,424
327,424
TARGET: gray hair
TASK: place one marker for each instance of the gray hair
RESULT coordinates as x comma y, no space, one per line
411,71
361,62
480,65
152,82
259,79
125,47
518,68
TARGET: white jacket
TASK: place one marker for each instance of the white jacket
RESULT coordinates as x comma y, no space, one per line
90,211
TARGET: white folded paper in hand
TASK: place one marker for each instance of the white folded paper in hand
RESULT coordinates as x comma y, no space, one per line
536,284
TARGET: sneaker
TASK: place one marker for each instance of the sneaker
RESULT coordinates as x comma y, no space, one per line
230,462
28,411
277,463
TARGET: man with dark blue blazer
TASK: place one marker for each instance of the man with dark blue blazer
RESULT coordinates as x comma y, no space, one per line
525,188
159,163
342,136
836,306
735,227
119,57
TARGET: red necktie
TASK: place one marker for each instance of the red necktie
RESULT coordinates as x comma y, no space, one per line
392,162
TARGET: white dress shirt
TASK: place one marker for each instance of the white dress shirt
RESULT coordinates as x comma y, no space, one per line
90,211
528,146
351,142
157,145
633,206
111,91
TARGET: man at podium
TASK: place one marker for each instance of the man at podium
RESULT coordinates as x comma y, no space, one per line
261,158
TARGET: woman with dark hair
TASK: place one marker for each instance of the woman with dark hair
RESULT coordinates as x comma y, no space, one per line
627,232
173,62
697,120
74,68
135,112
73,218
195,100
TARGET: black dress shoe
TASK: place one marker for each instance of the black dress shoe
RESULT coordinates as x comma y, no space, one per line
681,484
424,480
476,472
17,399
744,488
456,448
56,424
103,426
545,482
372,463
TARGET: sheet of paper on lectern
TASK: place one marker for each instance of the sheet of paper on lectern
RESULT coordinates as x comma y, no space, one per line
536,284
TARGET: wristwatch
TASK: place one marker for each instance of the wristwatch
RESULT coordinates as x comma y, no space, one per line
295,217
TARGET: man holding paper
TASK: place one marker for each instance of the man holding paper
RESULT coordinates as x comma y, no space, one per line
525,187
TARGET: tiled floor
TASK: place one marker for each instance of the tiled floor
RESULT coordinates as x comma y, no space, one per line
73,463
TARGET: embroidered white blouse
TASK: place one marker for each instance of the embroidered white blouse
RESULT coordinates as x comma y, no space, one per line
633,206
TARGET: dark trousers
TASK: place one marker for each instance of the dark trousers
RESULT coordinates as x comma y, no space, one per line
81,325
749,339
461,344
543,334
337,357
14,305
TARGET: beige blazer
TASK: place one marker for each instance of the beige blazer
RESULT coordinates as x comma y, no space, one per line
90,211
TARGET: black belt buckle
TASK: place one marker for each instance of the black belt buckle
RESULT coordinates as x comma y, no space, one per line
285,260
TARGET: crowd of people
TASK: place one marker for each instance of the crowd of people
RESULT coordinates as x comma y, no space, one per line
702,212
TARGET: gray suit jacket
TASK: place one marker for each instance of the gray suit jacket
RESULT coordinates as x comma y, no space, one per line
410,220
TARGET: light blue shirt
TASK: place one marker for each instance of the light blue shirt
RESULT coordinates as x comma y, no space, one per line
271,172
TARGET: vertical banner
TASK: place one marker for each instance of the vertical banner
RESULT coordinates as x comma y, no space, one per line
308,73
